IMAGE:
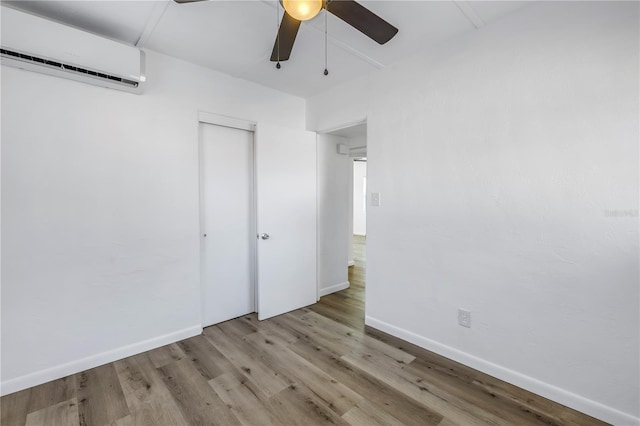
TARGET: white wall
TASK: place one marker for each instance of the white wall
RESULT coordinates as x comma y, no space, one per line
333,215
500,157
337,108
359,198
100,227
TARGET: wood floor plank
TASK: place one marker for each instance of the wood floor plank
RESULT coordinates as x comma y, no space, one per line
52,393
453,386
205,357
198,402
448,422
387,398
336,335
246,402
334,394
239,328
437,362
433,398
148,398
536,406
100,397
296,406
343,299
152,413
367,414
64,413
272,327
338,314
13,408
246,360
165,355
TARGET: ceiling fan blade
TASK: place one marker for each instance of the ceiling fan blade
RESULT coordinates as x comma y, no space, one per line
362,19
287,35
186,1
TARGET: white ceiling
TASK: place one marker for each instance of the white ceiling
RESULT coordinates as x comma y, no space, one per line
236,37
355,131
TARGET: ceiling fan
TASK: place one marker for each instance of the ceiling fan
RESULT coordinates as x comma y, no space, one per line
350,11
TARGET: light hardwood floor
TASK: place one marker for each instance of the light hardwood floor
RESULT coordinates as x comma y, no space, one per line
313,366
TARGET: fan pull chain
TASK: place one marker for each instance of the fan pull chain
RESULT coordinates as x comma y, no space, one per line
326,71
278,66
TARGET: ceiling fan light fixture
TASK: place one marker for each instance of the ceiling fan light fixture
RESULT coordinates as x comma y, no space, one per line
302,10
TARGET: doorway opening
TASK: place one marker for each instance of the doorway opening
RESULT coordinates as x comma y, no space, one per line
342,155
358,246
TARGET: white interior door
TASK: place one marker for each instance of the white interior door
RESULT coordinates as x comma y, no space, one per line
228,240
286,207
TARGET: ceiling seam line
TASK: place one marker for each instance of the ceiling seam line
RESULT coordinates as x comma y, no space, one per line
156,15
470,13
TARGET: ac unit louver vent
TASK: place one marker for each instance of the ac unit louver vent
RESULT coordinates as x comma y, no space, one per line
66,67
36,44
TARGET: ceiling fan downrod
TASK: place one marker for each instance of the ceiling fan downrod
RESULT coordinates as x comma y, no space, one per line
326,71
278,66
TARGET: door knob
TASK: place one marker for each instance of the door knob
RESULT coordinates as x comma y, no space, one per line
264,236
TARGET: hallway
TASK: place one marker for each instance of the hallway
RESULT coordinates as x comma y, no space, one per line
347,306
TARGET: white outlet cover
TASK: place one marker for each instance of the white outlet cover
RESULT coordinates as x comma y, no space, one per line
375,199
464,317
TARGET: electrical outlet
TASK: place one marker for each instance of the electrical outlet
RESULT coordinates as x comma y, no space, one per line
464,318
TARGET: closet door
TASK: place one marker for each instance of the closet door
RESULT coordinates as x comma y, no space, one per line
228,217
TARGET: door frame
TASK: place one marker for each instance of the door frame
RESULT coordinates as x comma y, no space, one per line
240,124
334,128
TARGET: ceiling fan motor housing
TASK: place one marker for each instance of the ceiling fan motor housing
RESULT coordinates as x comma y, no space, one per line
350,11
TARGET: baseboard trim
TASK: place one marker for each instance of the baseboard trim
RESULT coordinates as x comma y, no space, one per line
351,263
572,400
333,288
63,370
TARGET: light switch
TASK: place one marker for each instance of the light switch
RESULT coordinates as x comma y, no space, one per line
375,199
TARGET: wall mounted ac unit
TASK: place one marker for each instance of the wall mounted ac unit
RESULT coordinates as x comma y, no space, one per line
36,44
